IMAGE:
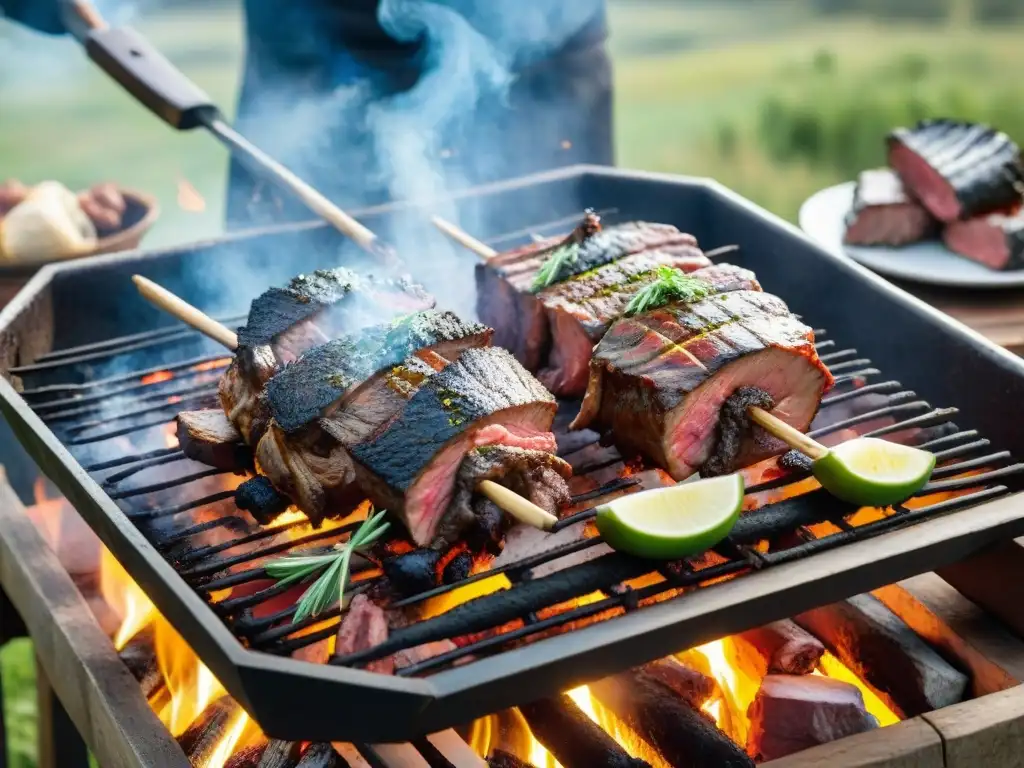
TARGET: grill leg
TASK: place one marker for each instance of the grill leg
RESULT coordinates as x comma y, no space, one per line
60,745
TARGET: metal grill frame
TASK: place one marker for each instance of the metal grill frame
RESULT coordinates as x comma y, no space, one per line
933,355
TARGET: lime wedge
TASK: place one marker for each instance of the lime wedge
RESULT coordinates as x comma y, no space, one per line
674,522
872,472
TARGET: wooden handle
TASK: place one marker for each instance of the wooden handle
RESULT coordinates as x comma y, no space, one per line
185,312
87,12
794,438
464,239
511,502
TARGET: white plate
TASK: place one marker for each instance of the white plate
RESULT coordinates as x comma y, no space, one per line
823,218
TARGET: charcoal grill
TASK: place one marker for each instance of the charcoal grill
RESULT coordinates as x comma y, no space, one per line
63,345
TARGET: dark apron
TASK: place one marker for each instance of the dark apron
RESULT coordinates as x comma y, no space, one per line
312,115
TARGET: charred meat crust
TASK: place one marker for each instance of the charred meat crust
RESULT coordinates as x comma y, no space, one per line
480,384
981,166
209,437
303,390
278,309
733,425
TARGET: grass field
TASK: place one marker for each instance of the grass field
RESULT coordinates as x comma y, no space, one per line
694,82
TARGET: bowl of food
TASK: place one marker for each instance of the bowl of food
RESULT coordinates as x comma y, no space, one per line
948,209
48,222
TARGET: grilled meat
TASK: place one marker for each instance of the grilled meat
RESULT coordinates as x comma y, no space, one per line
884,214
505,295
285,322
995,241
351,383
957,169
261,499
365,625
581,309
411,465
209,437
659,379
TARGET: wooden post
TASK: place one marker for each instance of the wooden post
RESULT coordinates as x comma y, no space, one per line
99,694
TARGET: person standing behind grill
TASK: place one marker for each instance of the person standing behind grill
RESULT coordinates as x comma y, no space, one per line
374,100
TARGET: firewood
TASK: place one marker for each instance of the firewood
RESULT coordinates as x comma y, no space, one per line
691,684
684,736
502,759
779,647
139,655
246,758
794,712
574,739
320,756
206,731
887,654
279,754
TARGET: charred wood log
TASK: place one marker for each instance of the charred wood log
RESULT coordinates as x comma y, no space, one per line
247,758
261,499
574,739
202,736
320,756
684,736
795,712
780,647
139,655
887,654
279,754
498,608
502,759
690,684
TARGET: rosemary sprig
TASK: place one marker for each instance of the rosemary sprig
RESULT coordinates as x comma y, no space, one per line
670,285
330,585
552,267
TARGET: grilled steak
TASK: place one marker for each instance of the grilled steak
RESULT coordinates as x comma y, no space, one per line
659,379
536,475
209,437
314,308
304,455
995,241
411,465
883,213
364,625
285,322
324,376
505,295
957,169
581,309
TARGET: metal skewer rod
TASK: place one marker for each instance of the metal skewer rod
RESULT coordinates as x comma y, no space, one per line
128,58
464,239
512,503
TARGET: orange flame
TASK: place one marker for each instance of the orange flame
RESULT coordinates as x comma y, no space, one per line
157,377
189,686
189,198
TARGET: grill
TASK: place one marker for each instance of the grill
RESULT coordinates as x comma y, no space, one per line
93,404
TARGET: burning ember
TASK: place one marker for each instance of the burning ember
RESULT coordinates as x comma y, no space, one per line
189,198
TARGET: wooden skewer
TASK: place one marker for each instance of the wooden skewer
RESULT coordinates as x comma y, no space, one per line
185,312
464,239
512,503
521,509
794,438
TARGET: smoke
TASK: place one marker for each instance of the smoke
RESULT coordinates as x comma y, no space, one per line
391,136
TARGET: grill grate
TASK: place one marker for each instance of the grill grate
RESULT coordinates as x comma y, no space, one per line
95,412
103,407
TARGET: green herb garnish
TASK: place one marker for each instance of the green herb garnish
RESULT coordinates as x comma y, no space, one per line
330,586
670,285
551,269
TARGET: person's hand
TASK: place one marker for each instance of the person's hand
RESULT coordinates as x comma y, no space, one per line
104,204
12,192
